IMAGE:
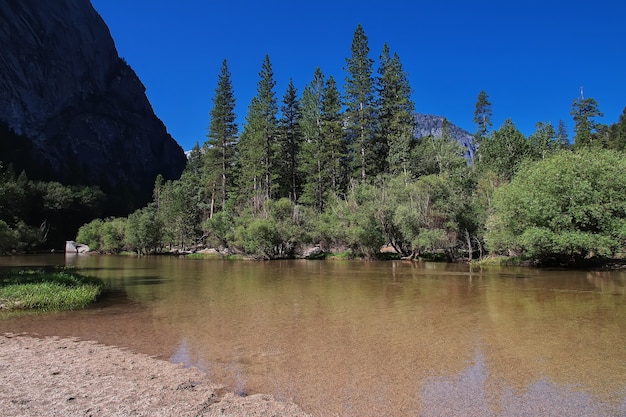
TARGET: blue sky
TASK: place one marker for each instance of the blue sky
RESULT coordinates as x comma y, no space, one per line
531,57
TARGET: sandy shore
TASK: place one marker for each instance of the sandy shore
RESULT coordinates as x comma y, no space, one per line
69,377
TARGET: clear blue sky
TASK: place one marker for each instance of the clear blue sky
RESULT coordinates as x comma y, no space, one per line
531,57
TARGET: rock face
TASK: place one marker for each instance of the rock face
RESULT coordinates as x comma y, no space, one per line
429,125
71,109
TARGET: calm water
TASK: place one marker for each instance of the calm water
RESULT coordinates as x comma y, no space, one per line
367,338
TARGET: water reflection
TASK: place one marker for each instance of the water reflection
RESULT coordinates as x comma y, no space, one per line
375,338
469,394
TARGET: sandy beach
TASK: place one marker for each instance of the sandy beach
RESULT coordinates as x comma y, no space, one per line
69,377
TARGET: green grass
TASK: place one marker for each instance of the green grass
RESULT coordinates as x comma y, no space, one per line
501,261
47,290
213,256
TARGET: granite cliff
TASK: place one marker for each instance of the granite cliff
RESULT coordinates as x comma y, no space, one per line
429,125
71,109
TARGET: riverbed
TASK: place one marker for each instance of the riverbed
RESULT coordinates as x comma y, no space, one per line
366,338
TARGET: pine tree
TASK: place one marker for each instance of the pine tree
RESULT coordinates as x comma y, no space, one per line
397,122
482,116
257,146
289,145
312,160
617,133
333,138
222,135
585,127
561,135
361,107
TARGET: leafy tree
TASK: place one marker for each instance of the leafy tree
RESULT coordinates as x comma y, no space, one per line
543,141
290,143
438,154
504,151
14,199
144,230
113,234
617,133
360,112
354,221
395,114
584,110
219,229
427,215
482,116
104,235
8,240
565,208
90,234
222,135
180,211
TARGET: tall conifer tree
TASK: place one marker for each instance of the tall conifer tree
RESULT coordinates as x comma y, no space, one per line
584,110
482,115
223,129
561,135
360,105
257,146
290,144
397,122
333,138
312,157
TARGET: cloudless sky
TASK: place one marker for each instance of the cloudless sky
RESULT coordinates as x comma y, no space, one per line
531,57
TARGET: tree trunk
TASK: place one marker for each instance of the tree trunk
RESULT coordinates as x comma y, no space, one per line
469,245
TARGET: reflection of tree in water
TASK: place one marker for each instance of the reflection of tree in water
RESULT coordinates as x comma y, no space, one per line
472,392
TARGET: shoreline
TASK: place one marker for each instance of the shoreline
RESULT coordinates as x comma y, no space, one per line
53,376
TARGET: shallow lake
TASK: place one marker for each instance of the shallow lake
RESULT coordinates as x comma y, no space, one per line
367,338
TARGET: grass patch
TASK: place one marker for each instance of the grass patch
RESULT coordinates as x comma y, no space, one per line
502,261
47,290
341,256
214,256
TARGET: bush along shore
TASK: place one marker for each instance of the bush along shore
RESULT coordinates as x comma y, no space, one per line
47,290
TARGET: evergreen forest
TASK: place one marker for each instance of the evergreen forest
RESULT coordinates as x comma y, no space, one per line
338,167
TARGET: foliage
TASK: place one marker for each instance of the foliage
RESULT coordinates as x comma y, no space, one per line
584,110
289,145
258,145
341,170
144,231
568,206
219,229
617,134
438,154
352,221
90,234
427,214
504,151
395,112
220,146
366,147
482,115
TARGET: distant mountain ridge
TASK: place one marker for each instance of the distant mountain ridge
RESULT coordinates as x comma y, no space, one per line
431,125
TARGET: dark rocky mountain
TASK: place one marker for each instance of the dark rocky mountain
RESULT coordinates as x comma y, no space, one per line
71,109
429,125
